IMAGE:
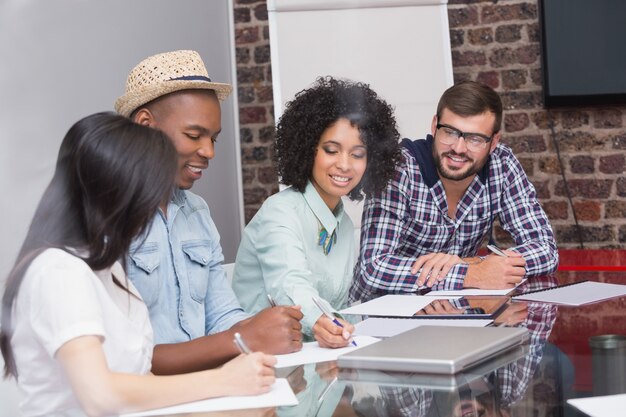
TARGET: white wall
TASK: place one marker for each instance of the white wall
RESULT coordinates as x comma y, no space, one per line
400,47
64,59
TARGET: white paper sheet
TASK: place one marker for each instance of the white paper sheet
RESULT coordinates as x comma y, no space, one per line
394,305
387,327
280,395
605,406
576,294
312,352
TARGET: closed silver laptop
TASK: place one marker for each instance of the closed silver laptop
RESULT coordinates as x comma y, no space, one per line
435,349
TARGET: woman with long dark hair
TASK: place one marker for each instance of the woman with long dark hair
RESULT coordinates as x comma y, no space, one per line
75,333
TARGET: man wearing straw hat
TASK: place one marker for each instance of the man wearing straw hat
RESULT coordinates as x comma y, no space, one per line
177,264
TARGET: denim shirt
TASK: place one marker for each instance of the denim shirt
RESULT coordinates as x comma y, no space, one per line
177,268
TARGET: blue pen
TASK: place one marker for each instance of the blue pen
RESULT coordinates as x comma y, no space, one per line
328,314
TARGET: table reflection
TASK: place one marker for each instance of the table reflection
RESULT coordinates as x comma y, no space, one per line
535,380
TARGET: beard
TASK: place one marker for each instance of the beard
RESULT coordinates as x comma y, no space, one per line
457,174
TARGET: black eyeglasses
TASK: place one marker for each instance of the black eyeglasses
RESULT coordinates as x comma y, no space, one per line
474,141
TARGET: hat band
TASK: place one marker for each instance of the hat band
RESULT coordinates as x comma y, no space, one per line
191,78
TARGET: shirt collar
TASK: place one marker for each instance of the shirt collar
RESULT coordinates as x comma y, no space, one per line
326,217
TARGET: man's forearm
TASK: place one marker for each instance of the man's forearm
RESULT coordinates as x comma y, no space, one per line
205,352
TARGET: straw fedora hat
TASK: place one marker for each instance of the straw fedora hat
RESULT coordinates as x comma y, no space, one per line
166,73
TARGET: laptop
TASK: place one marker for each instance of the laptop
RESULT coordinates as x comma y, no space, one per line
435,349
435,382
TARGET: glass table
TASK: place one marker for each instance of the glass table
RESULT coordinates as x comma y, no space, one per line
534,380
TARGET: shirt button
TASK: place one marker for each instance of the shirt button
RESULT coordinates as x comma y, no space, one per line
204,260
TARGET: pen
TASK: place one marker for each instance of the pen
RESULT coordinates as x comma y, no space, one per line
271,300
241,345
496,250
327,313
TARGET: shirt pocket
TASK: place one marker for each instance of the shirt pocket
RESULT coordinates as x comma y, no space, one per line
141,271
197,259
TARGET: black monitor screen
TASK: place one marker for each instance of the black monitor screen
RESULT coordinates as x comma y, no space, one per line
584,51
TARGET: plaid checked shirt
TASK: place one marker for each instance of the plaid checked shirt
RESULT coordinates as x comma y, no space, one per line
410,219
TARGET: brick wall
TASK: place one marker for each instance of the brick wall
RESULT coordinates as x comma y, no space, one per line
496,42
256,103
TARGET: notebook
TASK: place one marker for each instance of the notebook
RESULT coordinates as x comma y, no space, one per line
574,294
426,307
435,349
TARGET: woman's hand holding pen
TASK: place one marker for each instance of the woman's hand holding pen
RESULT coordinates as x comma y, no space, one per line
329,335
248,374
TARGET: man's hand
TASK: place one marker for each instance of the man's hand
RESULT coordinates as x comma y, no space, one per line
275,330
515,313
434,266
496,272
328,334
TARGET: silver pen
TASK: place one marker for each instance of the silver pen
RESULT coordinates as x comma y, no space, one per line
497,250
241,345
271,300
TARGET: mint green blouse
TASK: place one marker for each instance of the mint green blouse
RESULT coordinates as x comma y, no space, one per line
279,254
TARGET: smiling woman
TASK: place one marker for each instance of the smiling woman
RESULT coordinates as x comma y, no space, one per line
335,139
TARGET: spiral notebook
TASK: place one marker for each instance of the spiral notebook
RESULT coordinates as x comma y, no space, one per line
574,294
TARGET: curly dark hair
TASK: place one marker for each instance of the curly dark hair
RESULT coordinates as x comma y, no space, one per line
315,109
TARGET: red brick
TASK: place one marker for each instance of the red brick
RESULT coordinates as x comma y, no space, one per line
267,175
242,55
619,142
586,188
508,33
607,118
550,165
242,15
514,122
262,54
582,164
615,209
481,36
499,13
556,210
468,58
587,210
574,118
490,78
464,16
501,57
512,100
457,37
246,35
620,186
265,94
260,12
528,165
249,115
527,54
612,164
569,234
528,143
513,79
579,141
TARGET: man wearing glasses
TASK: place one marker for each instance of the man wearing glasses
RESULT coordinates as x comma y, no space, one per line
426,228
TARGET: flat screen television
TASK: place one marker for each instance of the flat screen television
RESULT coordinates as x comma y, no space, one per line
583,52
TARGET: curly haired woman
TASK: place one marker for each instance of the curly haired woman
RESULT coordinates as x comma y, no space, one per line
336,138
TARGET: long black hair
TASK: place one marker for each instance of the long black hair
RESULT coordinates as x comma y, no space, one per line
110,178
